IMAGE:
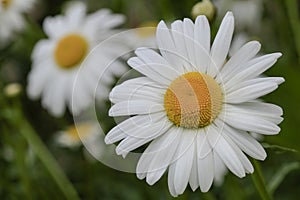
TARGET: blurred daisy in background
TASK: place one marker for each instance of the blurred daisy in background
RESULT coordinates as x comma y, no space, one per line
72,135
144,35
11,18
195,106
87,133
248,13
238,41
57,59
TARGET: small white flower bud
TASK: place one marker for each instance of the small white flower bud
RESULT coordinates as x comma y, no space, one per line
12,89
205,7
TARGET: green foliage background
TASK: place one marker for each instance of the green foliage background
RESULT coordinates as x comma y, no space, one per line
24,175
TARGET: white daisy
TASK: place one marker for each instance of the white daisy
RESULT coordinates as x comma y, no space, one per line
195,107
245,11
87,133
11,19
237,42
58,59
73,135
144,35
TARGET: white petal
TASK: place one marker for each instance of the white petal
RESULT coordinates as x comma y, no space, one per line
148,71
239,39
202,32
244,160
203,146
267,111
250,92
135,107
38,79
80,95
166,147
194,180
75,13
181,48
155,147
246,142
171,184
206,172
202,43
141,86
141,136
252,71
157,63
221,44
110,21
136,92
225,151
220,169
103,19
166,45
128,126
184,160
54,98
55,27
245,53
251,123
188,30
256,60
42,50
231,88
135,82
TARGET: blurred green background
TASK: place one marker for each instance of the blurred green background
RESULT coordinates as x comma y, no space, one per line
23,175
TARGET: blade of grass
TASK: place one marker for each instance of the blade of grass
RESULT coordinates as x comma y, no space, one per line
48,160
259,182
41,151
281,174
293,15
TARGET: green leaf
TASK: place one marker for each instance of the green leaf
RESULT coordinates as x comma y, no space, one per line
279,148
259,182
280,175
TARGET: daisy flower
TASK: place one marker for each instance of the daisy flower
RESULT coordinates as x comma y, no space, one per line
11,19
144,35
58,59
246,12
237,42
73,135
87,133
195,106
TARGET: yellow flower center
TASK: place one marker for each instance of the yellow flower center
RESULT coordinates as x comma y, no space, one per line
81,130
5,3
193,100
147,29
70,51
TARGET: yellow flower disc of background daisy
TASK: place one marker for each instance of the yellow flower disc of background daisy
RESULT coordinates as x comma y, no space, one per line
70,51
5,3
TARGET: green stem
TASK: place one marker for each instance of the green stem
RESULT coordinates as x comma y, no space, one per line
42,152
17,142
293,14
49,161
279,176
259,182
20,162
208,196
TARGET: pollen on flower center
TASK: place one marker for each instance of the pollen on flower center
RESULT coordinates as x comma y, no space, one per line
5,3
70,51
193,100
